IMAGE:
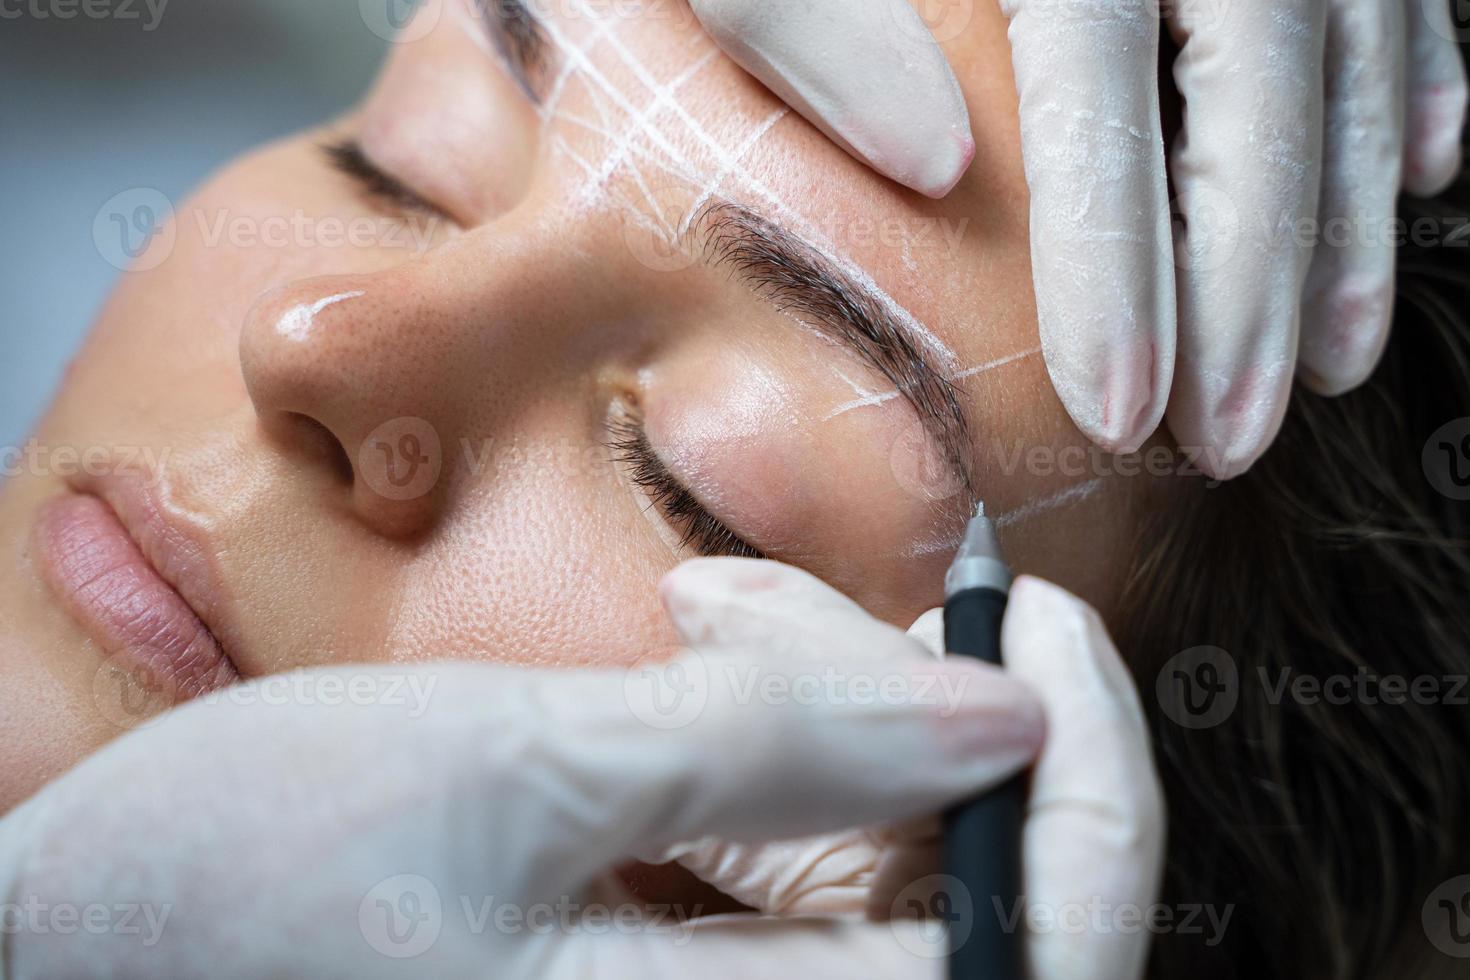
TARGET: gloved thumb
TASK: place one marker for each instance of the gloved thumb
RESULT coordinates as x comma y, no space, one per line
822,57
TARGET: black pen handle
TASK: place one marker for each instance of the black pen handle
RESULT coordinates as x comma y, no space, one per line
982,837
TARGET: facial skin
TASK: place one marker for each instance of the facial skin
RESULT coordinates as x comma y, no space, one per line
269,381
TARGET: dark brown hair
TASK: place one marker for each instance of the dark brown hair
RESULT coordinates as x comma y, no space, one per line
1326,826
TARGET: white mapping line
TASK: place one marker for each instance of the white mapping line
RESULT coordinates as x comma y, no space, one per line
864,399
870,399
668,165
295,323
1018,516
642,121
648,155
576,61
992,365
926,548
1070,495
569,67
604,129
590,73
629,206
733,167
723,172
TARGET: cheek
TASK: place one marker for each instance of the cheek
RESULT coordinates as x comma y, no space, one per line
545,563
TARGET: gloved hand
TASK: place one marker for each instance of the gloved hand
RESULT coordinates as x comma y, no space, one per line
1095,833
1301,119
359,839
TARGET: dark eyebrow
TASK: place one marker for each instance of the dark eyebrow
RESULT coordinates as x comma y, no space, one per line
519,38
797,278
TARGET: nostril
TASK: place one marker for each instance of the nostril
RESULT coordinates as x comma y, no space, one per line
308,438
333,453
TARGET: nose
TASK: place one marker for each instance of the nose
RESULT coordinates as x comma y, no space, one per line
374,380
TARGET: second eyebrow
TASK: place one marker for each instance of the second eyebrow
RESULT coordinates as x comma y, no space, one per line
798,278
517,34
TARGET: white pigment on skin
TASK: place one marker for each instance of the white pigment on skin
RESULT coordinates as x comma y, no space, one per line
663,95
296,323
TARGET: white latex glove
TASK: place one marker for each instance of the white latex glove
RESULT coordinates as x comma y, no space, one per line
1301,117
1095,833
866,72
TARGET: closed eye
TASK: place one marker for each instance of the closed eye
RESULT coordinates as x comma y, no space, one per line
697,527
348,157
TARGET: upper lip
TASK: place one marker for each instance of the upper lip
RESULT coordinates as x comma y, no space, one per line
180,552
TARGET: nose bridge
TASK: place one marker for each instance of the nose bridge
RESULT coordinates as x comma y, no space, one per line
398,364
362,342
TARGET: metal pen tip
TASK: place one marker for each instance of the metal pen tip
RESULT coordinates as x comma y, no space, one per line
978,563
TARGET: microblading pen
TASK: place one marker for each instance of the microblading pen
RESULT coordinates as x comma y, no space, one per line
982,837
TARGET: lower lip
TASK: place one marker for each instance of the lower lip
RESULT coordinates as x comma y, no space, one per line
90,560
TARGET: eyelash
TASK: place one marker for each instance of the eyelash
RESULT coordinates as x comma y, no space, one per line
348,157
698,528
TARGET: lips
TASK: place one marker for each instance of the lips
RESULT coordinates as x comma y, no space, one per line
118,565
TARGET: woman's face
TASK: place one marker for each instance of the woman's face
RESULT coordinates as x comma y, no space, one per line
574,302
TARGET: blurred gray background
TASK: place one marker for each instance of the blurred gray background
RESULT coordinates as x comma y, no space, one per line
93,107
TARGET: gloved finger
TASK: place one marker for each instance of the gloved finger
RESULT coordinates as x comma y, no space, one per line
826,874
915,856
733,741
1436,99
779,608
1094,833
870,75
822,874
1091,139
749,947
1349,293
1246,168
928,629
